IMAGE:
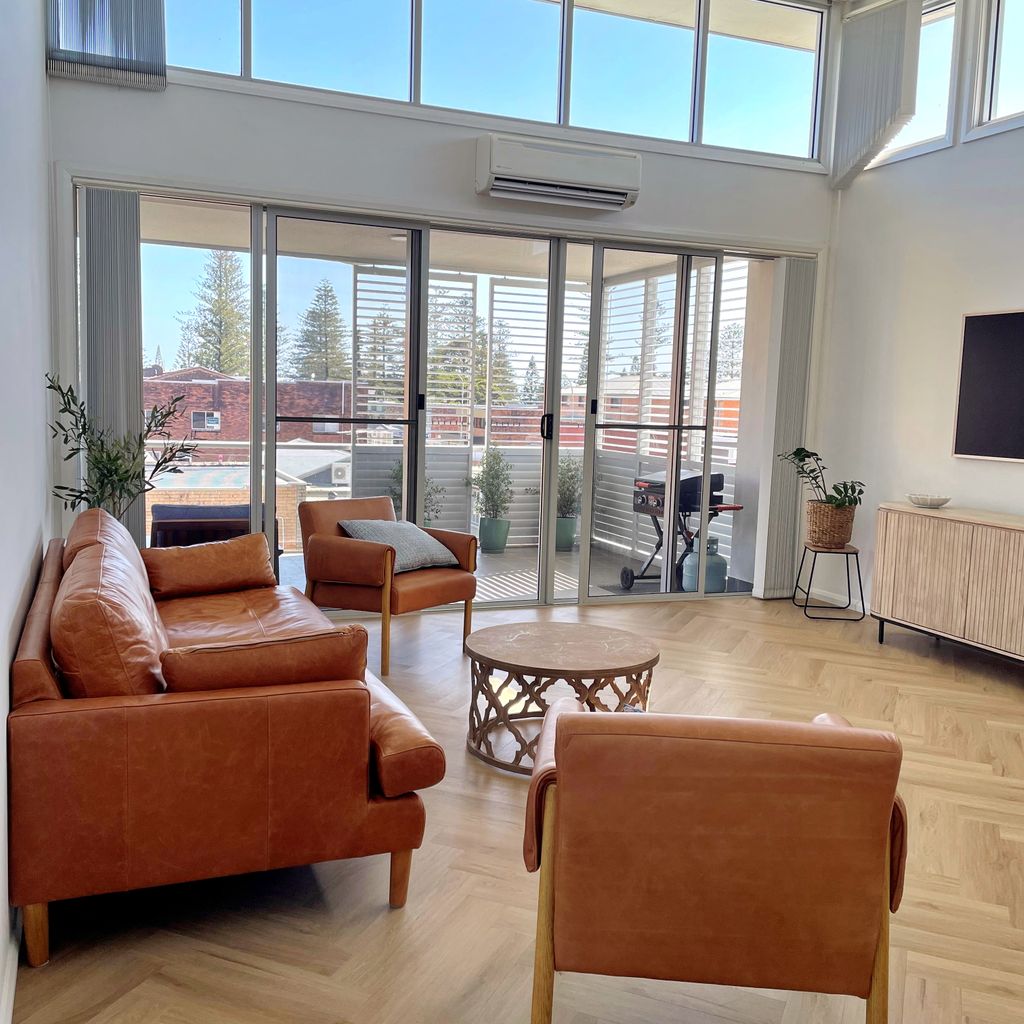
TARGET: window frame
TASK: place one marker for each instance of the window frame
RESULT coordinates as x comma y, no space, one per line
820,118
981,121
206,414
947,140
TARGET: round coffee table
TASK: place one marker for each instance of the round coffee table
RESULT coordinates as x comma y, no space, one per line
521,668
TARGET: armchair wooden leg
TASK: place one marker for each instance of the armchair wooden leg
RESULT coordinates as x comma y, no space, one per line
877,1010
385,615
401,864
35,919
544,952
467,620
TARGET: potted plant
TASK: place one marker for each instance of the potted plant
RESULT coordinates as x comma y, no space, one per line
493,500
830,512
570,494
433,495
115,471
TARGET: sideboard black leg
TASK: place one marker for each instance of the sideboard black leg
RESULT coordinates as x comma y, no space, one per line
881,631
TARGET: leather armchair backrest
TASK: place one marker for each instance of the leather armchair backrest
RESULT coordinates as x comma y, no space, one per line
32,674
721,851
323,516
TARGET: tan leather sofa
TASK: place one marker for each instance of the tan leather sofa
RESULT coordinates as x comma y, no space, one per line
343,572
719,851
275,747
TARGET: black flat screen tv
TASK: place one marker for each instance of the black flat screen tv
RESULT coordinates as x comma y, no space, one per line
990,408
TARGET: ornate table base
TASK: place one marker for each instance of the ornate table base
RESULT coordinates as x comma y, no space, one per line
507,705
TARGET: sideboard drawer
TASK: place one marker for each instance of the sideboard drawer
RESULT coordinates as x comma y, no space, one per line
995,603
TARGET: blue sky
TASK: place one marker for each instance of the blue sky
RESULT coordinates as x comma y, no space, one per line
495,56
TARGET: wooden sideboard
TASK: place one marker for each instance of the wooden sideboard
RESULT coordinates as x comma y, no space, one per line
952,572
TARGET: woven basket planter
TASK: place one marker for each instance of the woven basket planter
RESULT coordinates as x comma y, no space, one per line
829,526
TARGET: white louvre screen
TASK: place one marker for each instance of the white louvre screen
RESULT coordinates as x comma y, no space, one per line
380,342
877,84
451,373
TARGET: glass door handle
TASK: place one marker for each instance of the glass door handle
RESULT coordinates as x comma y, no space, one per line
547,426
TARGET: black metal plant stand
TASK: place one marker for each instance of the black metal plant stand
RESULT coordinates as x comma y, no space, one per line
849,551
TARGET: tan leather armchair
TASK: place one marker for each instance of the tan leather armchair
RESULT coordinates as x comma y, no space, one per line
342,572
717,851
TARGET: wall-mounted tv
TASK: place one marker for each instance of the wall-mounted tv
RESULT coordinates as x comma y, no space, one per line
990,410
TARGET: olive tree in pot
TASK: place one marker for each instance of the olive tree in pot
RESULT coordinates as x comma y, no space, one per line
570,494
830,511
115,470
493,500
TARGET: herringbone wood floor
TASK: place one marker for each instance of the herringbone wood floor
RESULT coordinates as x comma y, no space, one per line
319,945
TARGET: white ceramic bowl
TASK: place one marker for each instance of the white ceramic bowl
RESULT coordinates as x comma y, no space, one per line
928,500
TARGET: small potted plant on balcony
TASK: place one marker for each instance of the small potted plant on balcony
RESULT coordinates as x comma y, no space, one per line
433,495
493,500
830,512
570,494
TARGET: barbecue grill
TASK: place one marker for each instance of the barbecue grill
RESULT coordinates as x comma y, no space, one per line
649,500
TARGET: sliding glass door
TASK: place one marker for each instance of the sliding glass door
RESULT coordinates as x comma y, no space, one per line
340,372
650,487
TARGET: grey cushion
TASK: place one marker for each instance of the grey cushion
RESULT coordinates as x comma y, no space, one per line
414,549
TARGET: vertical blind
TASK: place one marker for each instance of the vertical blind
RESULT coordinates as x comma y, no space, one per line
119,42
877,84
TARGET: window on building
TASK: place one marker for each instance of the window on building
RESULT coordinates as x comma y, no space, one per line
632,71
1006,59
934,75
326,428
206,421
204,34
493,56
761,87
345,46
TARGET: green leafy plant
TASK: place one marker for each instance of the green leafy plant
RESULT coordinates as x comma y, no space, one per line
433,495
570,487
811,470
115,472
494,485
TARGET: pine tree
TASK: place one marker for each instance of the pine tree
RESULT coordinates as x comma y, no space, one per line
158,358
530,392
215,334
320,348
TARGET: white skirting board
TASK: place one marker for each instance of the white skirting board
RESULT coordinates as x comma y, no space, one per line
9,969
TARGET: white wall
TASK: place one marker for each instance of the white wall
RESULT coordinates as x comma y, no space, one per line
919,243
269,148
24,352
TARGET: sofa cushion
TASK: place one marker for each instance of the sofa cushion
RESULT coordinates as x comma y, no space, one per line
268,661
97,526
237,564
414,548
105,631
406,757
240,616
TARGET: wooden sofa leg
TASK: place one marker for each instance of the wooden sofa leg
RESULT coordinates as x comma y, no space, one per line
544,952
877,1010
401,864
467,621
35,919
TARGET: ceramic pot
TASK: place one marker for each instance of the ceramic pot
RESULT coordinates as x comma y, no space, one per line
494,535
565,533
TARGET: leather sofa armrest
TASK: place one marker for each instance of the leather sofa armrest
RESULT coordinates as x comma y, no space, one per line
116,793
462,545
544,775
336,559
897,827
405,755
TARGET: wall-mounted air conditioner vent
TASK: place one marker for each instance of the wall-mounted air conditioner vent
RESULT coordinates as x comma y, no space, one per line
565,173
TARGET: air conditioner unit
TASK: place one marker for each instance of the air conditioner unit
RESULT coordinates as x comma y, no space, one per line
544,171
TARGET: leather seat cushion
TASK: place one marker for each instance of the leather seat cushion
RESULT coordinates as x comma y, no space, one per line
105,631
410,592
236,564
96,526
240,616
268,661
405,756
